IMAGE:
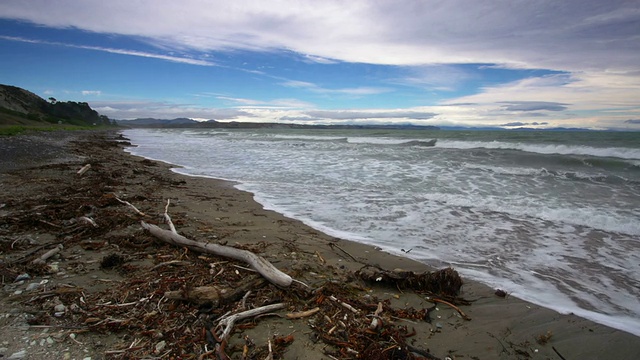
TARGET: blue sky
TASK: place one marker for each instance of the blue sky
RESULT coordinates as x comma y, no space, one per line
572,63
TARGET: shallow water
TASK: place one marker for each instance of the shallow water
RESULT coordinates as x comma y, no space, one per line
551,217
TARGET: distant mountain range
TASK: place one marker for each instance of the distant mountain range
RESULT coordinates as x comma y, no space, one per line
212,124
21,107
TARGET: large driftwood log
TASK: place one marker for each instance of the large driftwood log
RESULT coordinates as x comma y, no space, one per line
260,264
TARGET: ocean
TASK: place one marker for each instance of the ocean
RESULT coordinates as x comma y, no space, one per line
551,217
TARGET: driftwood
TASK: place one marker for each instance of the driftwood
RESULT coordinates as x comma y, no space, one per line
213,295
84,170
227,322
260,264
130,205
43,258
445,282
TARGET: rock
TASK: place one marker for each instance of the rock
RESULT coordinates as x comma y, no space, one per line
18,355
32,286
60,308
21,277
160,346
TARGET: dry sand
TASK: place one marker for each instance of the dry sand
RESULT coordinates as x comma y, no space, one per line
118,310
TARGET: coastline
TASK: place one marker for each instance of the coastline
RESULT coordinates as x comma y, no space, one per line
214,210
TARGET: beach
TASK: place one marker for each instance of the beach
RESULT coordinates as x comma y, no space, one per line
43,196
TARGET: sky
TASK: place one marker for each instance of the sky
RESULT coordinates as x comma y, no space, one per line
533,63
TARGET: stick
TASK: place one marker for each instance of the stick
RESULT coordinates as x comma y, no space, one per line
464,316
87,220
131,206
43,258
375,322
230,320
557,352
301,314
260,264
168,218
84,170
344,251
344,304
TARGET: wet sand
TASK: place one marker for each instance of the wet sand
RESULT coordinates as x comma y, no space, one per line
38,179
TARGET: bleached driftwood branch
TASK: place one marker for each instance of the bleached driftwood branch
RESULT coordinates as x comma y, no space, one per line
167,218
229,321
260,264
84,170
131,206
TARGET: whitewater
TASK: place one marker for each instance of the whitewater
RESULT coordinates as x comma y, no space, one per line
550,217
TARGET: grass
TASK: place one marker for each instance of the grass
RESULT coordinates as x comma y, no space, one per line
13,130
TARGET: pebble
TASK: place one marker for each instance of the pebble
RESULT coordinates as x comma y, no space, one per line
32,286
18,355
21,277
160,346
60,308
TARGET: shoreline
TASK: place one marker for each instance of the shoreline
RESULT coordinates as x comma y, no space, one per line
542,295
214,210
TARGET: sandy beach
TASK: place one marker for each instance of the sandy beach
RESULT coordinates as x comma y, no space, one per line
103,295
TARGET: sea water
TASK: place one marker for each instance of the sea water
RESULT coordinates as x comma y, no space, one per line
551,217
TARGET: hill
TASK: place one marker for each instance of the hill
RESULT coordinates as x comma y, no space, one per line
213,124
21,107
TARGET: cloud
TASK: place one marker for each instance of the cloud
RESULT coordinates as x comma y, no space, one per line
632,121
533,106
275,103
524,124
164,110
91,92
371,114
171,58
356,91
574,35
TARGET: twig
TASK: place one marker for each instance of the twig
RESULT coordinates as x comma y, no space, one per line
88,220
228,321
344,304
172,262
301,314
168,218
464,316
83,170
557,352
243,303
376,321
344,251
131,206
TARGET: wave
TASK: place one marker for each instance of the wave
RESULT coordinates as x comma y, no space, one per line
543,172
420,143
547,149
280,137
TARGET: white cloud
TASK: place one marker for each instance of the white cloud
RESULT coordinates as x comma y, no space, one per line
91,92
171,58
355,91
164,110
569,35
